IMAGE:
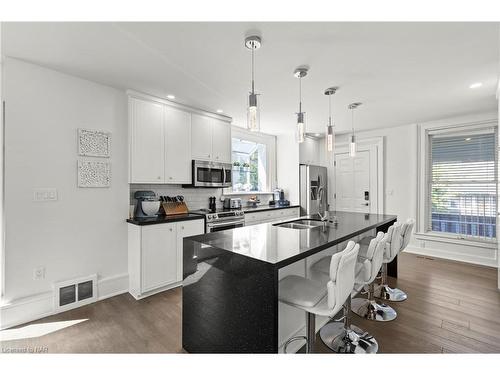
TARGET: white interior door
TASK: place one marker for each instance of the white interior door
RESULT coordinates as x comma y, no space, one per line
356,181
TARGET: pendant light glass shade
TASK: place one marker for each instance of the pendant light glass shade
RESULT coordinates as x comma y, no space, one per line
352,147
301,128
330,128
330,139
352,143
300,135
253,113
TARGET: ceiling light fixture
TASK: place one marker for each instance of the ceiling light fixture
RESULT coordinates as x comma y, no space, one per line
330,130
476,85
301,126
253,115
352,144
171,97
220,111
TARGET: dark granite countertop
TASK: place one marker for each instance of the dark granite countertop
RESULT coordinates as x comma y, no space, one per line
283,246
165,219
266,208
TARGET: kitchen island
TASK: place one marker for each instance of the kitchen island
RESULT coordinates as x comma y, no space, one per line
230,287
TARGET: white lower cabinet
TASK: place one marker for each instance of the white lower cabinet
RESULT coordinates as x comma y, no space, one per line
269,216
155,255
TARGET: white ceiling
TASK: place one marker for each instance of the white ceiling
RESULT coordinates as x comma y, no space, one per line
402,72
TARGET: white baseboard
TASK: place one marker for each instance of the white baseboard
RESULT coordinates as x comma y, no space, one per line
112,286
27,309
450,255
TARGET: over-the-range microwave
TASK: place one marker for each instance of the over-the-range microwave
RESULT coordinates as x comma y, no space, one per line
210,174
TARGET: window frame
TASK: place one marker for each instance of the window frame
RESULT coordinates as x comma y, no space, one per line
423,200
270,142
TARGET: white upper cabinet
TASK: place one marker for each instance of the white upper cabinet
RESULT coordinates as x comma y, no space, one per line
210,139
201,137
221,141
165,138
177,146
309,151
147,162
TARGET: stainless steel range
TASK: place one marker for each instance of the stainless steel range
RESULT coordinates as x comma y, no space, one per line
222,220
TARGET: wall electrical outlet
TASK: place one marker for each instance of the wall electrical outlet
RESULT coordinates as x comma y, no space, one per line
39,273
44,194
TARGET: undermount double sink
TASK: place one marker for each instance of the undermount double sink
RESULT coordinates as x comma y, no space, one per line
302,224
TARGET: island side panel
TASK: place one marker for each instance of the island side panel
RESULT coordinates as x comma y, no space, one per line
392,268
229,302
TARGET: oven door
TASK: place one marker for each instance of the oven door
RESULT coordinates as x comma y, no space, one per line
225,225
208,174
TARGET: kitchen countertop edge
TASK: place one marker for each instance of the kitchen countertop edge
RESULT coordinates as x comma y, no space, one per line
166,219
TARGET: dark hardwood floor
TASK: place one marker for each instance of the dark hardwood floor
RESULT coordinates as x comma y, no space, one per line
451,308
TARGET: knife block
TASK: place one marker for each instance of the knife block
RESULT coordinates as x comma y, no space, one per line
174,208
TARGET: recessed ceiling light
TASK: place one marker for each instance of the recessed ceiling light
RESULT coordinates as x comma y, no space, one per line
475,85
317,134
171,96
467,139
220,111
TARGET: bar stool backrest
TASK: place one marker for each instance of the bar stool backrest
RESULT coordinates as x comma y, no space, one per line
375,254
342,275
394,241
406,230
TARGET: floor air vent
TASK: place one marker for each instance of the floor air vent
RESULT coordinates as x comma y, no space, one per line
69,294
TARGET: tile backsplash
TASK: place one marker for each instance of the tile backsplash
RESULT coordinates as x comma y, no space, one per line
195,198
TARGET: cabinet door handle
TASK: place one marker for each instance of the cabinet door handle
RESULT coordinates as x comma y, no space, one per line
170,229
208,155
159,177
170,178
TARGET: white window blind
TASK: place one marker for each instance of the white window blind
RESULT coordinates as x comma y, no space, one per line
462,185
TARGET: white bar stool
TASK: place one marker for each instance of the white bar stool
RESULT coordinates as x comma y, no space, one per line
393,247
343,337
314,297
369,263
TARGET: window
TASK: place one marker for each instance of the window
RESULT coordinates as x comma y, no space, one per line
462,189
249,165
253,164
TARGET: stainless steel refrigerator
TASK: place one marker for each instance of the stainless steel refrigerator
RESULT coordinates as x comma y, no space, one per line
313,189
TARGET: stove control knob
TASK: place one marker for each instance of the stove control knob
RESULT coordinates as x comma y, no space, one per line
209,216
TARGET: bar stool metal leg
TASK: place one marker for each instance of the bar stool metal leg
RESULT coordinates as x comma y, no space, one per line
346,337
310,337
371,310
385,292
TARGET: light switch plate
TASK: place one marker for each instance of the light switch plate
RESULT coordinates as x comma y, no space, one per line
44,194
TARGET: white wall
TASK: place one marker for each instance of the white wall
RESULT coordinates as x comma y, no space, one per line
400,168
401,188
84,231
287,166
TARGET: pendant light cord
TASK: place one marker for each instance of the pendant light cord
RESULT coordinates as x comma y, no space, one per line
352,121
330,110
300,94
253,63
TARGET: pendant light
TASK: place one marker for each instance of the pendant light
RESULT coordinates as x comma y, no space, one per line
301,126
352,144
253,114
330,130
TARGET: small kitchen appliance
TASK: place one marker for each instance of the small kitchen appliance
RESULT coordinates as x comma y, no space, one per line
235,203
147,204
